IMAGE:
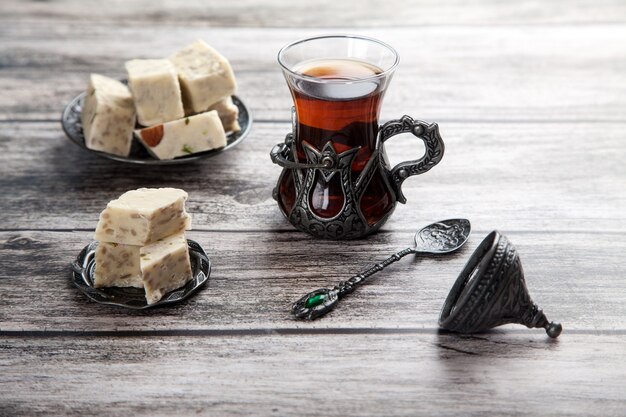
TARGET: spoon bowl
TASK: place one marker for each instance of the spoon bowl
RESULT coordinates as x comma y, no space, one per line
442,237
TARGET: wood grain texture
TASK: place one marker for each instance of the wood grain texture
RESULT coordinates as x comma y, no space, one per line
384,374
468,74
257,276
531,101
326,13
514,176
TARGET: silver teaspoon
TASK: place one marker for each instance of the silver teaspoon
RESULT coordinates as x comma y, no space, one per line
435,239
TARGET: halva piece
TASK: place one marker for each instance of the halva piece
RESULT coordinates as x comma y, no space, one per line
108,116
228,113
140,217
117,265
205,76
165,266
192,134
155,89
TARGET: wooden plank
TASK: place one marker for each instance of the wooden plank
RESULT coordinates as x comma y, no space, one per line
256,277
514,176
551,73
332,375
327,13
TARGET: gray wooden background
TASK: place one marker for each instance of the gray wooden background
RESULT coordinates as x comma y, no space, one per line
530,97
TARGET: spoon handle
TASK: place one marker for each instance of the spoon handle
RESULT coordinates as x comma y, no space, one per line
319,302
348,286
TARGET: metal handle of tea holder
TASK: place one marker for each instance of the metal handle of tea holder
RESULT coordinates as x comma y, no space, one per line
429,133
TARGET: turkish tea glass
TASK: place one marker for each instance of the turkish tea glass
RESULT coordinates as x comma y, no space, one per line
339,177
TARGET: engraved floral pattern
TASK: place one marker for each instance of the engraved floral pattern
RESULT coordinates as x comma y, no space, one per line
443,236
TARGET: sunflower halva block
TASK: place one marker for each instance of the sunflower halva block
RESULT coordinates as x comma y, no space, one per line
165,266
192,134
140,217
108,116
117,265
158,260
155,89
205,76
228,113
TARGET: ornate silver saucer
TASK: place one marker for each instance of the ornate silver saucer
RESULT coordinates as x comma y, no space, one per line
72,125
135,298
435,239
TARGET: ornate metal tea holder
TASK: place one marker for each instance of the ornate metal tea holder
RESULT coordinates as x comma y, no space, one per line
350,223
489,292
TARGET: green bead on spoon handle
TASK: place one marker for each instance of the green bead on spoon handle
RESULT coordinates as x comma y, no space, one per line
435,239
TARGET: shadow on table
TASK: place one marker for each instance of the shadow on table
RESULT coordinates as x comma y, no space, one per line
496,343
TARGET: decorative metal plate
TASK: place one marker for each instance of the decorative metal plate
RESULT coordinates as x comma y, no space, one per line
73,127
135,298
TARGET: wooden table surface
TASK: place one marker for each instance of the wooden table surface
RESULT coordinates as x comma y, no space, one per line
530,97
